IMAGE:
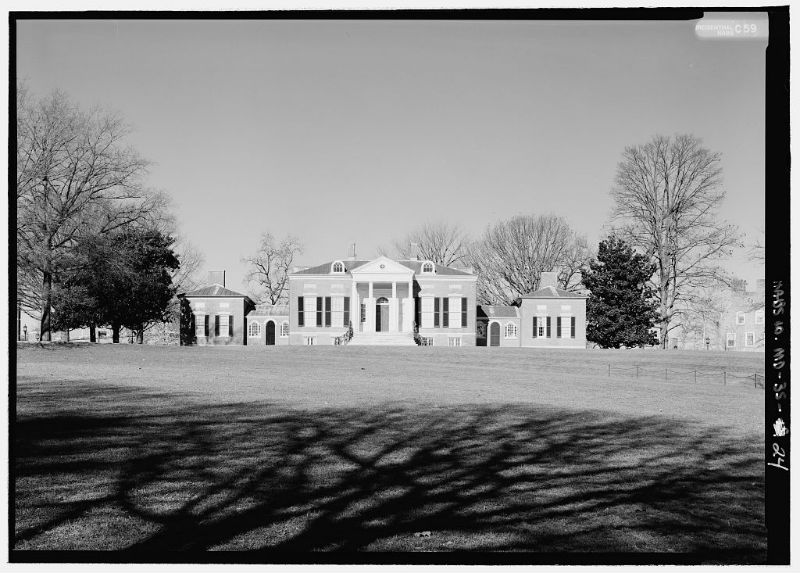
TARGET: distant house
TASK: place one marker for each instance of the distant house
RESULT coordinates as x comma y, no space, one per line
218,314
268,325
498,325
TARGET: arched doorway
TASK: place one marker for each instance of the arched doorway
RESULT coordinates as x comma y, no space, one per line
382,314
494,334
270,333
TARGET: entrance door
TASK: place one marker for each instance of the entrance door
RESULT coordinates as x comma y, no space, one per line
494,334
270,333
382,315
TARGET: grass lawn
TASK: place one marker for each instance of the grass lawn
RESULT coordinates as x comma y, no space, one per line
389,449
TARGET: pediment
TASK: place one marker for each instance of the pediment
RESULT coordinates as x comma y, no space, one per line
382,266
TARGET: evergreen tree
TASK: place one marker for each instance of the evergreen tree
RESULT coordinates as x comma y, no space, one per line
621,308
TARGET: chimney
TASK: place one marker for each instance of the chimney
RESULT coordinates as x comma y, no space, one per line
216,277
548,279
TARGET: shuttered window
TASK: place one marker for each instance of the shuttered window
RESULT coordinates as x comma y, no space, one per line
464,312
230,326
455,312
300,317
548,327
328,311
221,326
535,327
201,325
346,315
216,325
572,327
310,311
436,313
319,310
558,327
429,305
445,312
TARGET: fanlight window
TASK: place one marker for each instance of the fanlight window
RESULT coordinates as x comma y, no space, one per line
338,267
254,329
427,267
382,300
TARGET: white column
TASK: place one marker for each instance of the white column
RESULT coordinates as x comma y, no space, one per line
393,309
355,308
408,315
370,314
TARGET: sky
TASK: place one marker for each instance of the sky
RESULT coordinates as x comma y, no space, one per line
344,132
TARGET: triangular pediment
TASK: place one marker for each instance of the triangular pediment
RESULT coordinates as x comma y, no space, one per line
382,266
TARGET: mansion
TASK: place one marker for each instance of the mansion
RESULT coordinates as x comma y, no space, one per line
388,302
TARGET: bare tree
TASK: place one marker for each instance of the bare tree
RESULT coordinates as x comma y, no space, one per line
667,195
511,256
440,242
757,252
75,177
270,266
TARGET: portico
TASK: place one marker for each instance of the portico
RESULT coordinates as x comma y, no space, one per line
384,295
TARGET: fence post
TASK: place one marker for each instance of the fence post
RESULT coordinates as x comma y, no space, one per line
724,378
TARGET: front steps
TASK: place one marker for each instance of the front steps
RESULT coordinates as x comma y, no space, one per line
382,339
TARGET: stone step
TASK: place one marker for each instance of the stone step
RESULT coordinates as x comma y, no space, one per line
381,339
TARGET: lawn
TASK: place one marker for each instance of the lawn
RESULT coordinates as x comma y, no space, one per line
389,449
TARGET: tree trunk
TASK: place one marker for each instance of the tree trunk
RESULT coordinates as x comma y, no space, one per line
140,335
44,324
92,333
66,334
115,326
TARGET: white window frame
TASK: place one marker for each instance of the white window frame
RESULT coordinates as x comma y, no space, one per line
541,326
257,326
730,340
750,339
285,329
199,325
337,310
310,311
333,267
425,265
515,332
454,316
223,330
454,341
566,326
310,340
740,318
759,316
427,312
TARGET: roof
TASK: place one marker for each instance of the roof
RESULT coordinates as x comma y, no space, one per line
349,264
497,311
270,310
215,290
553,292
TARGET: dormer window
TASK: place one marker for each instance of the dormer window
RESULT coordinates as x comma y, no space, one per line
337,267
427,267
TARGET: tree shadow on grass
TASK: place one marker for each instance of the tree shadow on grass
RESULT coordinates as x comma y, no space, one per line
119,468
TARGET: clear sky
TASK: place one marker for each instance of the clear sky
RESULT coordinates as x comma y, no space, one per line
358,131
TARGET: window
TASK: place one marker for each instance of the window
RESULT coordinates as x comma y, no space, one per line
740,317
427,267
310,309
223,323
320,301
254,329
300,316
539,326
284,329
548,327
511,330
337,267
464,312
436,313
749,338
363,312
759,317
730,340
200,325
572,327
455,312
445,312
428,305
328,311
454,341
564,327
346,311
310,340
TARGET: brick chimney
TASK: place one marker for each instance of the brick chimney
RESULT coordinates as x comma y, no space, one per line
216,277
549,279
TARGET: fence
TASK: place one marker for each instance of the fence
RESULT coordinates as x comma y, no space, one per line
723,376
